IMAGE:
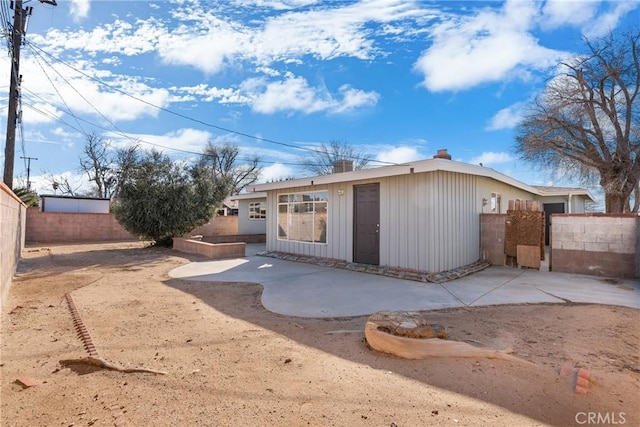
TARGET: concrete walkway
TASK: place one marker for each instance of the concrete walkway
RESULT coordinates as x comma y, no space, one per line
305,290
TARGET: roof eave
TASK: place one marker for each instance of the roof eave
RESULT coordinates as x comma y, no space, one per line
429,165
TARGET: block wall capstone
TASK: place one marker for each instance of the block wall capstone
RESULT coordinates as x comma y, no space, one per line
595,244
12,237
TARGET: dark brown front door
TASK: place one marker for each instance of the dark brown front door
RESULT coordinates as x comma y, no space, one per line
366,224
550,208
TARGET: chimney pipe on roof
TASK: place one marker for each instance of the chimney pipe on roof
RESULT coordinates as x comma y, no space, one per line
442,154
342,166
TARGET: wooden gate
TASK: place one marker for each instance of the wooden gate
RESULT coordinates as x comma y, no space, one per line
524,239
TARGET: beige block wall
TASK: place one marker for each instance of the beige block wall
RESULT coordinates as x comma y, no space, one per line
12,237
596,244
218,226
63,227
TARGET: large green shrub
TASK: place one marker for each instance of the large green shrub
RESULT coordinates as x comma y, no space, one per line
160,199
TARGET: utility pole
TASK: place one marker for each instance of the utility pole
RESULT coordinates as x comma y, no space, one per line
28,159
20,16
12,115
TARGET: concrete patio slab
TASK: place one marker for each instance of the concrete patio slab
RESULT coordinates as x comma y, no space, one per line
307,290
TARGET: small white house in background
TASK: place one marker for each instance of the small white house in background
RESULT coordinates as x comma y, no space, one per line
252,212
423,215
229,208
71,204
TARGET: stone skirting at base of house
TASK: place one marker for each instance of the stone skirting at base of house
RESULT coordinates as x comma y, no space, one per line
594,263
395,272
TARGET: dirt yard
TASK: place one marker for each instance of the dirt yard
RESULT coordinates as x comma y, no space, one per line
230,362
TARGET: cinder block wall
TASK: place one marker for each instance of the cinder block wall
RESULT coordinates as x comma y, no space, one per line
492,235
63,227
595,244
12,237
218,226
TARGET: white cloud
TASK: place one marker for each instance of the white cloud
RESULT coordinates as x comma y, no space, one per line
594,18
209,47
292,94
398,155
276,4
79,9
187,139
295,94
489,46
118,38
606,22
507,118
209,94
65,88
354,98
37,112
276,172
557,13
211,42
492,158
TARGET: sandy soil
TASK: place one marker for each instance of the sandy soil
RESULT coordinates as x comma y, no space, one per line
230,362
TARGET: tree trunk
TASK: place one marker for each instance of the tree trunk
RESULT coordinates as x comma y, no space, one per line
618,188
614,203
636,196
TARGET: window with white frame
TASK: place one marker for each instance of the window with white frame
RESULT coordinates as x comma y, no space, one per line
495,202
302,217
258,210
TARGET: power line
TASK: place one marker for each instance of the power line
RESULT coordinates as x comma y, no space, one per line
56,89
142,141
183,116
129,137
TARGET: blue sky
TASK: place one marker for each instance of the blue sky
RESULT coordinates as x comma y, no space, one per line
399,79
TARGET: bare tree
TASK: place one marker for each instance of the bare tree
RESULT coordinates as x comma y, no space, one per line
124,163
225,166
321,161
588,119
61,184
97,162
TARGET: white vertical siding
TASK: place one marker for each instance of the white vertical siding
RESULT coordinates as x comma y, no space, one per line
444,233
428,221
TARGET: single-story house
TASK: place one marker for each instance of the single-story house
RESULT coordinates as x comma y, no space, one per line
73,204
423,215
252,212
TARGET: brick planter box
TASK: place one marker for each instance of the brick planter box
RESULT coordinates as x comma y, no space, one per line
210,250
